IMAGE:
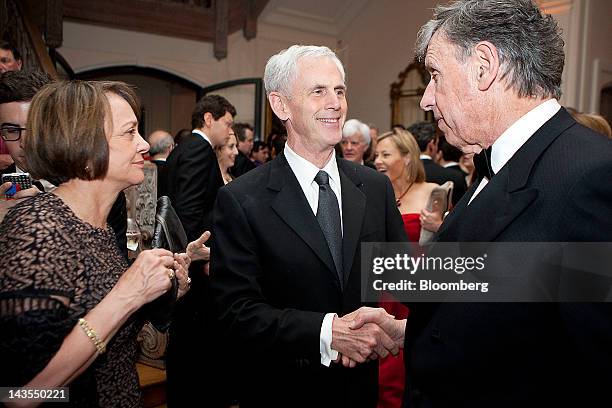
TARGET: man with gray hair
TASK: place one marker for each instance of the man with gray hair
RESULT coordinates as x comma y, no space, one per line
286,265
161,143
495,79
355,142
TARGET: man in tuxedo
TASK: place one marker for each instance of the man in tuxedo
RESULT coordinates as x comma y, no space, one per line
427,139
495,79
286,258
161,143
193,178
192,172
244,135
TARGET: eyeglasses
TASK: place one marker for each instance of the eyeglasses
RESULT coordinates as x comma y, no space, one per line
6,60
11,133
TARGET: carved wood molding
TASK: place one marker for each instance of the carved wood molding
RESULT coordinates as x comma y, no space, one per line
221,28
201,20
163,17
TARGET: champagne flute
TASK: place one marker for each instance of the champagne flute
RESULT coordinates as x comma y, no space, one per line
133,236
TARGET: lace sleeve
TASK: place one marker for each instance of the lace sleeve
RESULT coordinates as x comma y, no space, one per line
37,287
30,338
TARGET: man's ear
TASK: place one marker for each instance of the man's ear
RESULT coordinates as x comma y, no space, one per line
278,105
432,147
487,60
208,119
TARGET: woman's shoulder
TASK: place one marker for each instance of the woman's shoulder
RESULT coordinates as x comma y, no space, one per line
35,209
36,245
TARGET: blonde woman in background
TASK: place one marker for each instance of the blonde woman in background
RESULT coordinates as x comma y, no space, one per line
397,156
226,156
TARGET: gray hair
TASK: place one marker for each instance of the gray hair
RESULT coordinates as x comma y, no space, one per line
529,43
161,146
281,69
353,126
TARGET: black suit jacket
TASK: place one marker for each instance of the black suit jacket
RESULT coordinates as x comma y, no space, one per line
192,179
434,173
242,165
273,280
556,188
162,179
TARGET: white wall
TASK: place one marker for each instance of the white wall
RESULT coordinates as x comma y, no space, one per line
375,47
598,65
379,45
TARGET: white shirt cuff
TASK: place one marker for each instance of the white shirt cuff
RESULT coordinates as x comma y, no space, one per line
327,354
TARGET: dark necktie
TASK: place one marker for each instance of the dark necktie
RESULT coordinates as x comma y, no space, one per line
482,163
328,215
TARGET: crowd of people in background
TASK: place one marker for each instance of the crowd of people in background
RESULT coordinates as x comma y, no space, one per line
287,213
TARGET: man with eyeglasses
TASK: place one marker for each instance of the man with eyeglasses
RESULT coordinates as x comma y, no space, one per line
17,88
10,60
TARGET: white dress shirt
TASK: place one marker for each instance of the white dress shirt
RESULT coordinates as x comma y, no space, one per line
516,136
199,132
305,173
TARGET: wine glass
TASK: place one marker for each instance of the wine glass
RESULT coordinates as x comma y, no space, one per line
133,236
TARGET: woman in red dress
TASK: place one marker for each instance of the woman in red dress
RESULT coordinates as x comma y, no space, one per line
397,156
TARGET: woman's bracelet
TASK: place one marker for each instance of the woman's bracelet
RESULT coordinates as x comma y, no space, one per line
93,336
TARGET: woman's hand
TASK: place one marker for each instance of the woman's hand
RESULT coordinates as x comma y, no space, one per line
149,277
430,220
197,251
181,267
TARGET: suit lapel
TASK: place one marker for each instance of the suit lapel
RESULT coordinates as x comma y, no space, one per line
353,211
292,207
454,216
506,195
494,209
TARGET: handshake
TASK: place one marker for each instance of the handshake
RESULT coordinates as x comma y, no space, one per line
366,334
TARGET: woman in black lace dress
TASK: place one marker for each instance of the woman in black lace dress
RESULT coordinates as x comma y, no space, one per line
68,300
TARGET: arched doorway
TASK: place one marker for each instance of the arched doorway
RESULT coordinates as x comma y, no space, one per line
167,99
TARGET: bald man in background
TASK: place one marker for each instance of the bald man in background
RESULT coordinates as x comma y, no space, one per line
162,143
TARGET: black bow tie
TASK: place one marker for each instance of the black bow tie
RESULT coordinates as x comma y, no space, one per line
482,163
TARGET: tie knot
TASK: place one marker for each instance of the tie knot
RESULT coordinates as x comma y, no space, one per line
322,178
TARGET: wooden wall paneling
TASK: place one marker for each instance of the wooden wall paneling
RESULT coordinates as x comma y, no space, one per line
221,28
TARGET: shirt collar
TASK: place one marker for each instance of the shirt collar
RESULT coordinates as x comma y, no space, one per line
199,132
516,135
424,156
305,171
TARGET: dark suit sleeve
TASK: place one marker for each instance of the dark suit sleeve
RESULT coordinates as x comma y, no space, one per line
242,306
588,215
192,186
